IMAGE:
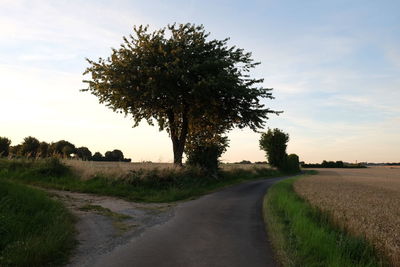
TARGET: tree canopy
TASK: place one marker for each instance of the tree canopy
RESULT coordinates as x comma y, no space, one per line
274,143
30,146
178,78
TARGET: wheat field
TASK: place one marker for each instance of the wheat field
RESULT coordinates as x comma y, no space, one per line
365,202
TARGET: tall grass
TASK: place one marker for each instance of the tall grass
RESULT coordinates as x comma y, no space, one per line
146,185
34,229
304,236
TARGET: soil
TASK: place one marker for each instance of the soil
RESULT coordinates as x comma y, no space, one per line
104,223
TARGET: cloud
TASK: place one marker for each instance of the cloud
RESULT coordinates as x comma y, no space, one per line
393,55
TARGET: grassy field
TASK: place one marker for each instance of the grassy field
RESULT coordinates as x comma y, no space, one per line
305,236
34,229
157,184
88,169
364,202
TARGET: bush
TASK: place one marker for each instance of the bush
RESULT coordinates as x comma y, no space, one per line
292,164
50,167
206,157
4,146
35,167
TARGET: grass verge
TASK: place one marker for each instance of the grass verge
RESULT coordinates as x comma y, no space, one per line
157,185
304,236
34,229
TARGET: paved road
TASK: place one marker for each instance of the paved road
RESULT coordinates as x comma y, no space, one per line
224,228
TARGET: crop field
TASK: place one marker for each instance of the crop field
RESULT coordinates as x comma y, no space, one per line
87,169
364,202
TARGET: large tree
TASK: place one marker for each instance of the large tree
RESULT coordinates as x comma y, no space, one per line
179,78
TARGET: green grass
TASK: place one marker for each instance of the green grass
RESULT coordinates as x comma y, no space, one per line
304,236
34,229
158,185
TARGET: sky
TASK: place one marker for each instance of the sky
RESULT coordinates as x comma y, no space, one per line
334,67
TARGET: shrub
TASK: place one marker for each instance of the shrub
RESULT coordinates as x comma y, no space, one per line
35,167
4,146
292,164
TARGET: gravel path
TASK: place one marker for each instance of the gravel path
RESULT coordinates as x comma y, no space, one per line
104,223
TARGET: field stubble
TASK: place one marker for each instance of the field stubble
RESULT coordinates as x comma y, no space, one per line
364,202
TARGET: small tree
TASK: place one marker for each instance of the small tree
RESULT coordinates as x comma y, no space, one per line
274,143
4,146
30,147
182,80
83,153
63,148
97,157
204,152
115,155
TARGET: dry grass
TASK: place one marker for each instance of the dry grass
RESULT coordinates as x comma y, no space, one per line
365,202
88,169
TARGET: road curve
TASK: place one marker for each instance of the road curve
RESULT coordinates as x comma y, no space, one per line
224,228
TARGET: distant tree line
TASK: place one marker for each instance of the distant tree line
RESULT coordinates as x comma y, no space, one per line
332,164
249,162
383,164
31,147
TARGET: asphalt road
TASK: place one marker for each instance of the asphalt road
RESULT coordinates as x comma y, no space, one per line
224,228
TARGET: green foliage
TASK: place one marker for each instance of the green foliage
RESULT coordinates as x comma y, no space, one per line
292,164
274,143
33,167
35,230
44,150
30,147
304,236
157,185
180,79
83,153
15,150
115,155
97,157
4,146
63,148
203,151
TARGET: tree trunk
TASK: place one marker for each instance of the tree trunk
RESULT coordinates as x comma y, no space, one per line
178,134
178,148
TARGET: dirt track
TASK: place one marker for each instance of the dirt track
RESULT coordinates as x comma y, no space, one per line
103,223
364,201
